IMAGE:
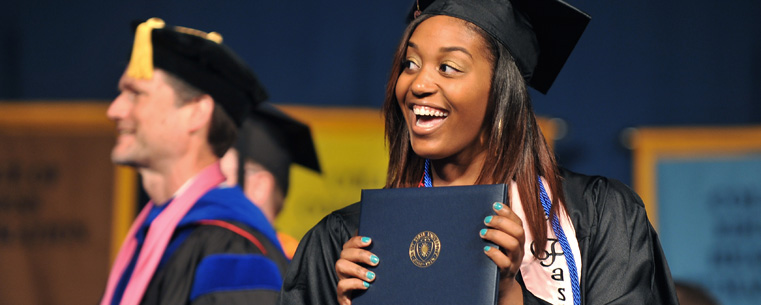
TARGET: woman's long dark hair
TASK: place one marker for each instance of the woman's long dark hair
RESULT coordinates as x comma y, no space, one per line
516,148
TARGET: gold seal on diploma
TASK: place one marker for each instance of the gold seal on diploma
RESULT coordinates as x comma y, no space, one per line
424,249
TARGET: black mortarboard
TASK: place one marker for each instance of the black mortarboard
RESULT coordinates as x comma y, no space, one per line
540,34
201,60
275,140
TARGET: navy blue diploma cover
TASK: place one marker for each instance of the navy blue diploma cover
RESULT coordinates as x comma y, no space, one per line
429,246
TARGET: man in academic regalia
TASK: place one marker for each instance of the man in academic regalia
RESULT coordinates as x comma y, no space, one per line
198,241
268,143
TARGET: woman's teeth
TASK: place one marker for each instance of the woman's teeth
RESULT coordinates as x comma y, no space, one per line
429,111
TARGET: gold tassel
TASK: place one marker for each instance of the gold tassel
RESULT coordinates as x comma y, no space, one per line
141,63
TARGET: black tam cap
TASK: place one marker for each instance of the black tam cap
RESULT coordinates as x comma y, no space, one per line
201,60
275,140
540,34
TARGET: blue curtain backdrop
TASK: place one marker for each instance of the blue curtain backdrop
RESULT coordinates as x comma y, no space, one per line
639,63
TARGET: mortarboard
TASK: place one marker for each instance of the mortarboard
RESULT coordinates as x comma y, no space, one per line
201,60
540,34
275,140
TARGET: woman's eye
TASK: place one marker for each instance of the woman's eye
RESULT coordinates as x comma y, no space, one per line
447,69
409,65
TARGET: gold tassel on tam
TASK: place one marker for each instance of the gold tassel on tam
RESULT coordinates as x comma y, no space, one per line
141,62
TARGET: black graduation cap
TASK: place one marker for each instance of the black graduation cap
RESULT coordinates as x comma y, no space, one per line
275,140
201,60
540,34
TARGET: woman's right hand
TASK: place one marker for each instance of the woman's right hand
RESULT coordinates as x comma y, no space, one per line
351,274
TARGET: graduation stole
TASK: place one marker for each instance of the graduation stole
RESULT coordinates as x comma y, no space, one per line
157,239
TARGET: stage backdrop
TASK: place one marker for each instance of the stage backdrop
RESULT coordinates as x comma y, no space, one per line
702,187
57,202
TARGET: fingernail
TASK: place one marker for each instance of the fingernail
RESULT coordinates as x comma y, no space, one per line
487,248
366,240
367,285
370,275
487,219
497,206
483,232
374,259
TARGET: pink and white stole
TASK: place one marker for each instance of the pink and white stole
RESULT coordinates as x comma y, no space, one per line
157,239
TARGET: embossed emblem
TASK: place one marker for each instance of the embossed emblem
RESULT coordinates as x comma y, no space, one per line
424,249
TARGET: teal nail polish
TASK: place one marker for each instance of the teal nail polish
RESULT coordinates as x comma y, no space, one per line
487,219
483,232
370,275
365,240
366,284
374,259
497,206
487,248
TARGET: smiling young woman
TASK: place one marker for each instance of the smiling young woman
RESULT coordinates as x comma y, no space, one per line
458,112
443,89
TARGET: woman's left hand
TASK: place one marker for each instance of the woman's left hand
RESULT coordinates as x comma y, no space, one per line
505,229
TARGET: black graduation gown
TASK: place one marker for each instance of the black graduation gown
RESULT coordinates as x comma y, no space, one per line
214,256
173,282
622,259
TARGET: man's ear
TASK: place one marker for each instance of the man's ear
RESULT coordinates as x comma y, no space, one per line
200,117
259,187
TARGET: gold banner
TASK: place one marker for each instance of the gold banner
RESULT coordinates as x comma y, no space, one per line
350,147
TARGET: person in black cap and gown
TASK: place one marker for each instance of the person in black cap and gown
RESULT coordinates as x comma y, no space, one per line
269,141
458,112
198,241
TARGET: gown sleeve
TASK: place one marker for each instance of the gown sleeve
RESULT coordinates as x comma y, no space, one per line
623,262
311,277
215,265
